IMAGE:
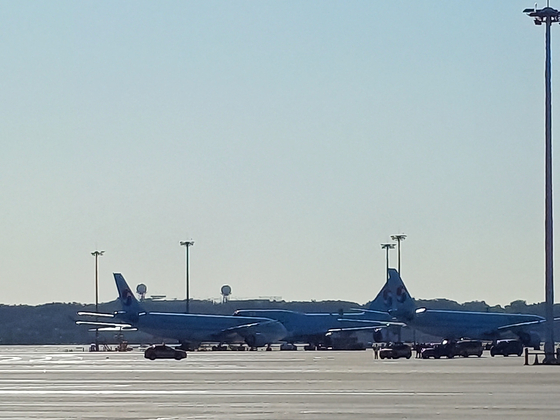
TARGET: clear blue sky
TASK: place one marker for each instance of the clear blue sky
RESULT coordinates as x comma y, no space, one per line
287,139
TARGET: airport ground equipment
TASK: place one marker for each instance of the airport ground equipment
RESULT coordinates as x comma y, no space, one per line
451,348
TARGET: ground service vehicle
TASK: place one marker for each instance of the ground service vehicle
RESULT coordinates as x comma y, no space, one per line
468,348
161,351
507,347
450,349
395,350
438,350
445,348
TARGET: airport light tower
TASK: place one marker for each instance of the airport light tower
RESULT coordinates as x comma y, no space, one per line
387,247
400,237
97,254
187,244
548,16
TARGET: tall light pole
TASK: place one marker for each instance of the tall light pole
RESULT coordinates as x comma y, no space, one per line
400,237
548,16
187,244
387,247
97,254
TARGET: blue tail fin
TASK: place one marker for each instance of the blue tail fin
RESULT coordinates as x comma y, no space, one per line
128,301
394,298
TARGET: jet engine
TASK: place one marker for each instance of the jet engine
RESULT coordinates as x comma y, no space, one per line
530,339
380,335
388,334
256,340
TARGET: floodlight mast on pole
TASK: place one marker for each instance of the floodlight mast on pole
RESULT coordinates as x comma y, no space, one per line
387,247
97,254
400,237
187,244
548,16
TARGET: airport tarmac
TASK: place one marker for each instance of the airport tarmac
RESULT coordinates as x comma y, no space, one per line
66,383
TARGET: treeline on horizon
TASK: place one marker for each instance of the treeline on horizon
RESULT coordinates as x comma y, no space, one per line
54,323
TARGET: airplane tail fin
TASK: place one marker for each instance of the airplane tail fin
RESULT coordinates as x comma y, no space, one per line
394,298
128,301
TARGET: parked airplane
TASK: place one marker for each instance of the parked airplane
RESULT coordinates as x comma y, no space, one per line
189,329
317,329
395,299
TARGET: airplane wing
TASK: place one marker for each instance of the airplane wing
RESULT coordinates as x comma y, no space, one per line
368,325
104,324
240,328
113,329
350,329
98,314
373,323
371,311
519,325
525,324
107,326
